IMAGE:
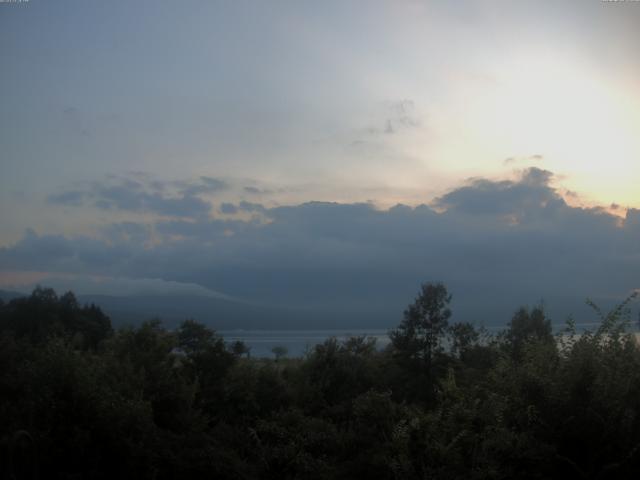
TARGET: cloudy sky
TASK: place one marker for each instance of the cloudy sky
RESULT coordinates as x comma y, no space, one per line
323,153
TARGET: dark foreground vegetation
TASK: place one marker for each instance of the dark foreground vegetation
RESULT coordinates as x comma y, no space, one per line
81,401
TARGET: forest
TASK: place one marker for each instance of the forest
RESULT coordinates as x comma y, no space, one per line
82,400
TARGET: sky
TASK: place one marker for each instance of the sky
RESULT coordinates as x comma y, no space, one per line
331,154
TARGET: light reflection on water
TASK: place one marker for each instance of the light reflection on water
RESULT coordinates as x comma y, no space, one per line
297,342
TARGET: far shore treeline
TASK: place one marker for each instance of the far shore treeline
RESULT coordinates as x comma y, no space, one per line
82,400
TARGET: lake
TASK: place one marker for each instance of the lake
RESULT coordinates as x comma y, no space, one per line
296,341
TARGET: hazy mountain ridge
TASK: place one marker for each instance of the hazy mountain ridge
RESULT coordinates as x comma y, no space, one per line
223,314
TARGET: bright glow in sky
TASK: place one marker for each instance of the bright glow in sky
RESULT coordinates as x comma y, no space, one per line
583,125
340,101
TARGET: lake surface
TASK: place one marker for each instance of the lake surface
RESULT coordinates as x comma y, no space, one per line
297,342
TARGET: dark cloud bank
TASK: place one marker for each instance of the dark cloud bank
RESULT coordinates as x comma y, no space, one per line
495,244
176,198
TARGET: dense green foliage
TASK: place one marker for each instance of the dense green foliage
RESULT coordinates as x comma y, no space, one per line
79,400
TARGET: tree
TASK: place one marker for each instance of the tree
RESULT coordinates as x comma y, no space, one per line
416,341
239,348
526,327
43,315
194,337
279,351
463,336
207,361
425,322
